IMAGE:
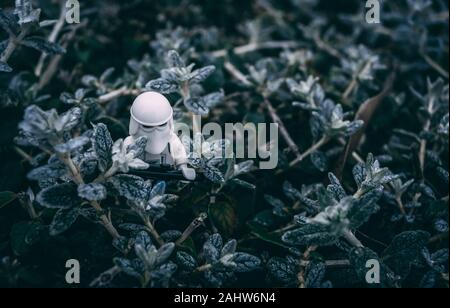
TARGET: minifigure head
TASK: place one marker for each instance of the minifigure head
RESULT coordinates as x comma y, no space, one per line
151,116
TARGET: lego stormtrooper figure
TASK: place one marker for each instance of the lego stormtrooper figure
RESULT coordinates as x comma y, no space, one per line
152,116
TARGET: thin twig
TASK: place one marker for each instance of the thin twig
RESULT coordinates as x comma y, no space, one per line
236,73
123,91
284,132
13,43
435,65
197,222
52,67
426,128
304,261
78,179
255,46
52,38
151,228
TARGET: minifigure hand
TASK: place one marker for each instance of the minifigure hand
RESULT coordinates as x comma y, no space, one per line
188,173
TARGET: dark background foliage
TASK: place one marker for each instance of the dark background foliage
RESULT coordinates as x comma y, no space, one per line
406,228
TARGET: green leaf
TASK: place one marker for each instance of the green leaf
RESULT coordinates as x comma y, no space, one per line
23,236
63,220
62,196
405,250
223,216
6,197
266,236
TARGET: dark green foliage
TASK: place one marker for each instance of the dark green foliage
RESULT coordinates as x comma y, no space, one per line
362,175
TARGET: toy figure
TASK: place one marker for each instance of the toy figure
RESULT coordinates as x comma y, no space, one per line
152,116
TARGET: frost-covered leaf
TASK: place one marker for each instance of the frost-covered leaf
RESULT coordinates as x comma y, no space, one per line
212,248
335,187
4,67
92,192
68,120
42,45
228,248
8,22
202,74
72,145
131,187
174,59
197,105
164,253
441,225
315,273
102,143
245,262
213,99
283,270
24,10
63,196
310,234
163,86
186,261
213,174
405,250
63,220
127,267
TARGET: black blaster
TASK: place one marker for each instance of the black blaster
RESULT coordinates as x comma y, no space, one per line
160,172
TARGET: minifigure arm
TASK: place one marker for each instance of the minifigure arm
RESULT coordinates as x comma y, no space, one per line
179,156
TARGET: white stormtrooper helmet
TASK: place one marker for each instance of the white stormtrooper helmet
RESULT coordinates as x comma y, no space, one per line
151,116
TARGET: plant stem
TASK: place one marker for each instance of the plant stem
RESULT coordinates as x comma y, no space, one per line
400,204
150,228
123,91
197,222
311,150
255,46
203,268
424,142
303,264
52,38
13,43
351,238
284,132
78,179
